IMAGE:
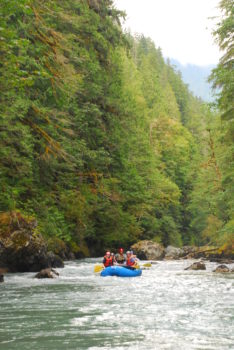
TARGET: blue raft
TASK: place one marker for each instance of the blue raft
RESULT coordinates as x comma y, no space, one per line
120,271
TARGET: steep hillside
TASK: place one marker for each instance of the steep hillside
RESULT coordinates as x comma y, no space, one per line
101,141
197,79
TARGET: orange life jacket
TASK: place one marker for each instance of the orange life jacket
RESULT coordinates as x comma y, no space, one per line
130,261
108,261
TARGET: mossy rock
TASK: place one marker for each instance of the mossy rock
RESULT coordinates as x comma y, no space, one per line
22,248
148,250
58,247
13,221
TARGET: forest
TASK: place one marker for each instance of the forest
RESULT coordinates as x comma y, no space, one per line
101,140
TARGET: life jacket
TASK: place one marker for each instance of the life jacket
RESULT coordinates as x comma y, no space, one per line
108,261
130,261
120,258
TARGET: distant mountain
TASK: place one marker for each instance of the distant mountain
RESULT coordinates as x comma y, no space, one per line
196,78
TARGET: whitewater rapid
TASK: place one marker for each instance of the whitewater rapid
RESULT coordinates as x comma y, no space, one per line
165,308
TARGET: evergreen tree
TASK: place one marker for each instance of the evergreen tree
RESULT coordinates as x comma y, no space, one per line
101,140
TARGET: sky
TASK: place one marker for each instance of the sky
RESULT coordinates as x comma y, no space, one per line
181,28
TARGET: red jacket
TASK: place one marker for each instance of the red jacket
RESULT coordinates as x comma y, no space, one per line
108,261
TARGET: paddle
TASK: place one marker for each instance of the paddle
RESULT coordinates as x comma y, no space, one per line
99,268
147,265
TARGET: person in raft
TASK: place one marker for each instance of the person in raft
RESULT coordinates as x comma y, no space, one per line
114,259
120,258
108,259
133,255
131,259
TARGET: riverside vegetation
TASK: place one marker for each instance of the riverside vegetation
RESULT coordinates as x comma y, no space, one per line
101,141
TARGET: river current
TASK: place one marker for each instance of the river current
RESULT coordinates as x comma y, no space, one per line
165,308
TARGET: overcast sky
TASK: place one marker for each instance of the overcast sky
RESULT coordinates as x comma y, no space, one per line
181,28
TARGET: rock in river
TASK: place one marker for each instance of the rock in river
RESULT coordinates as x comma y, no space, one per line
148,250
47,273
196,266
173,253
222,268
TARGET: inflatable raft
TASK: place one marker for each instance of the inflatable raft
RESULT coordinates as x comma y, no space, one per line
120,271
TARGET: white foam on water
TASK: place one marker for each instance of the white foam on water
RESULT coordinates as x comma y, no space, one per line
166,308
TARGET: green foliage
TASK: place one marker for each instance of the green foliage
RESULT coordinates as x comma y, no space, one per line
223,78
101,140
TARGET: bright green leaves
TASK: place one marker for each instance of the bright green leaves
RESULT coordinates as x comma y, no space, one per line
100,143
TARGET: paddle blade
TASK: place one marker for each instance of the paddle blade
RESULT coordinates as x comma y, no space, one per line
98,268
147,265
137,266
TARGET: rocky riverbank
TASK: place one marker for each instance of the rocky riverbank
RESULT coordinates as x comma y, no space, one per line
149,250
22,248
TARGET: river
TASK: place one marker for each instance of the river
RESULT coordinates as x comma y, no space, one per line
165,308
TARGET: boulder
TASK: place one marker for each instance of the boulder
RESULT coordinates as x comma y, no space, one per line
173,253
148,250
54,260
58,247
70,251
47,273
1,278
222,268
196,266
22,248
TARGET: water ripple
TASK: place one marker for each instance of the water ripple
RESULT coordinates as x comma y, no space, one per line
165,308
